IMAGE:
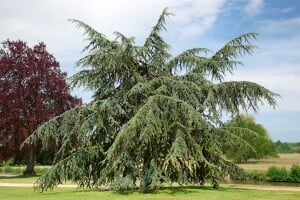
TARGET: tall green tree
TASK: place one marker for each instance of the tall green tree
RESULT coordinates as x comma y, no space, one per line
257,144
148,124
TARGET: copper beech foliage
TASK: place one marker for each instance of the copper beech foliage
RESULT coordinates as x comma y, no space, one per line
32,90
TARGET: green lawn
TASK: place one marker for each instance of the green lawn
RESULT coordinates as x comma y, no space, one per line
191,193
18,179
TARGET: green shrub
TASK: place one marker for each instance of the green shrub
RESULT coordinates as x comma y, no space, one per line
6,163
296,149
294,175
250,175
256,175
41,170
275,174
13,170
278,174
7,169
239,175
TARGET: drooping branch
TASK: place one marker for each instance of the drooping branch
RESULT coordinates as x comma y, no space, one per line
149,124
235,95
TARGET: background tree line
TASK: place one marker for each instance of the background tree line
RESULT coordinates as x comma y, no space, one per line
287,147
258,143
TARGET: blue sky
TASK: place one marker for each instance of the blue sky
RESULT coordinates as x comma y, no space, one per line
197,23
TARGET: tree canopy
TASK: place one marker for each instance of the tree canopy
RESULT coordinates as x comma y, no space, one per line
257,144
32,90
149,124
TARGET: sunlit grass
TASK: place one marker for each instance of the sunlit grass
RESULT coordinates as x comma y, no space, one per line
18,179
284,160
191,193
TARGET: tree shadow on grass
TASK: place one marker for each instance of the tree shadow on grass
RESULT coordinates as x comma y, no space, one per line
17,176
187,189
172,190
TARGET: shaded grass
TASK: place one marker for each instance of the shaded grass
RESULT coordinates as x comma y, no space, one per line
22,179
192,193
18,170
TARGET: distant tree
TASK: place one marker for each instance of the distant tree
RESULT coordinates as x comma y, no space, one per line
149,124
257,143
32,91
287,147
283,147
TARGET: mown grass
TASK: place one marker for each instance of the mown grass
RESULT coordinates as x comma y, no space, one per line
18,179
191,193
284,160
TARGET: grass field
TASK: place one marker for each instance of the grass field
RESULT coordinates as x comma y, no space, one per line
225,193
18,179
284,160
191,193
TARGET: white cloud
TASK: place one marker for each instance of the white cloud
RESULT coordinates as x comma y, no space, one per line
281,80
46,20
35,20
276,63
254,7
195,17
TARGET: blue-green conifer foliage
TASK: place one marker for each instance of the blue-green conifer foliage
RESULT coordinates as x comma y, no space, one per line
148,124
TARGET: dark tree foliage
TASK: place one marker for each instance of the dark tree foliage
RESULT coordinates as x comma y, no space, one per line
32,90
258,144
148,125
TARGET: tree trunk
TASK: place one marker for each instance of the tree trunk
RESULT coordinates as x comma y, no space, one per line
30,163
146,179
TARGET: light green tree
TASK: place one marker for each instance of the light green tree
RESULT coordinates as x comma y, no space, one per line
257,144
149,125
